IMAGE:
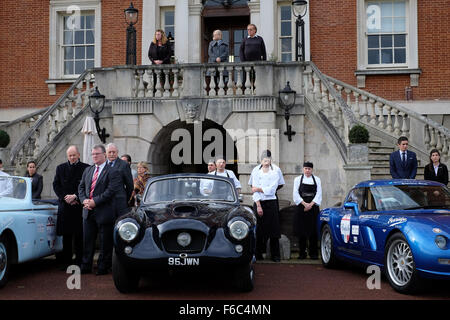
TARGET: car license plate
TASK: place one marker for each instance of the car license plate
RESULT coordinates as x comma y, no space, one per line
184,261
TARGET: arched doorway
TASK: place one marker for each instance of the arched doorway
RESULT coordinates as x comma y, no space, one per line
186,147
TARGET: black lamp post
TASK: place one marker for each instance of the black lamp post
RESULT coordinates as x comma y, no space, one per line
287,102
97,104
299,8
131,17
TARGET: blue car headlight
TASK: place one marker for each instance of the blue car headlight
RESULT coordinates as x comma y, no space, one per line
441,242
128,231
238,229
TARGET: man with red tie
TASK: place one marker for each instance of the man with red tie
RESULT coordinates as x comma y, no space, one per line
96,192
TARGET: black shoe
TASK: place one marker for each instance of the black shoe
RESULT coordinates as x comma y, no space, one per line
314,257
302,256
101,272
276,259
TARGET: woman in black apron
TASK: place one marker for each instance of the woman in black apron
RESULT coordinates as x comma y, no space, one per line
307,195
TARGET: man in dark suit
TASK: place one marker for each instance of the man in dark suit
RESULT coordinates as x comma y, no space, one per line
98,187
70,221
403,163
125,191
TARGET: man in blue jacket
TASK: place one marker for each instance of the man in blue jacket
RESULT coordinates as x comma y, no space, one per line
403,163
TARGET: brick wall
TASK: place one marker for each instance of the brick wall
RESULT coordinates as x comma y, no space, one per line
334,44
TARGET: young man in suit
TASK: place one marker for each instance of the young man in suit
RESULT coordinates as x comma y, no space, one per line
98,187
70,221
125,191
403,163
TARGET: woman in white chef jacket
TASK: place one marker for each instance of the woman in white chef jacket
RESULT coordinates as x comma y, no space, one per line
307,194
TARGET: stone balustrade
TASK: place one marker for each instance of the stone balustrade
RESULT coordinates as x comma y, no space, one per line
38,130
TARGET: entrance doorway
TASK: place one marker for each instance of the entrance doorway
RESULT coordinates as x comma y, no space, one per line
165,155
234,30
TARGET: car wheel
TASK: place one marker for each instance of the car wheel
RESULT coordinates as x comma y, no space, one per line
4,261
244,278
124,280
399,264
326,248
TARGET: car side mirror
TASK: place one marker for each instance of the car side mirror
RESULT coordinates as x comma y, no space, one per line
352,206
138,198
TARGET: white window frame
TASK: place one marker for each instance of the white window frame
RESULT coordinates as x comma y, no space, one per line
58,9
163,11
411,39
292,36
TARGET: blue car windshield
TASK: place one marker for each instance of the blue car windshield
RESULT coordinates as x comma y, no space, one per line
12,187
410,197
189,189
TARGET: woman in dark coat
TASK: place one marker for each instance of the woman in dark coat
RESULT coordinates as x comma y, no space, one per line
160,51
37,183
435,170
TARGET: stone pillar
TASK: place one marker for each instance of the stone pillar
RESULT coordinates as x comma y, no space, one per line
267,29
181,31
149,18
357,168
255,17
195,32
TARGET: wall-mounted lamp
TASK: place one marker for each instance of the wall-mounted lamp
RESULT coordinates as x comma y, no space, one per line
97,104
287,101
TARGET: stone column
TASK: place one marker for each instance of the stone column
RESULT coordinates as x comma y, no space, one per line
195,31
149,18
255,17
182,31
267,29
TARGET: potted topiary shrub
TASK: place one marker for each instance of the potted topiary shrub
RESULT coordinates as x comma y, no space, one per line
4,141
358,149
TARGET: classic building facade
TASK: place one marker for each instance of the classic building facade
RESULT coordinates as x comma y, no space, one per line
368,62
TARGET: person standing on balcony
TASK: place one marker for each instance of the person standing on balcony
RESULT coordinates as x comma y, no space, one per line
307,195
253,47
435,170
37,183
160,51
70,221
403,163
218,52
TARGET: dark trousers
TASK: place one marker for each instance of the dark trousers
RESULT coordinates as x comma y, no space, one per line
72,242
105,232
309,242
261,244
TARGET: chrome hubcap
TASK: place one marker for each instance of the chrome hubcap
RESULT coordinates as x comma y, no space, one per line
3,260
400,263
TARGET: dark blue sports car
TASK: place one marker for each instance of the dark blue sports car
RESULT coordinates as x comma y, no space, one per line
402,226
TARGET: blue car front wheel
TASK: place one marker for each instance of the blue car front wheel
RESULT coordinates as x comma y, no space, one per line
327,248
399,265
4,261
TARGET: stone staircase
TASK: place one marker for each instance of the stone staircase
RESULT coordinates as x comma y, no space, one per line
379,152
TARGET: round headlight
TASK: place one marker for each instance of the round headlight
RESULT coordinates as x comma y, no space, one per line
128,231
238,229
441,242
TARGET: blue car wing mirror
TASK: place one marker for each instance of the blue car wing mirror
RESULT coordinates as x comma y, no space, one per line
351,206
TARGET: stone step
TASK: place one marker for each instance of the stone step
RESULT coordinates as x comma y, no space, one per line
378,156
376,149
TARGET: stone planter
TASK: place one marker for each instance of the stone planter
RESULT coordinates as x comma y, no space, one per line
358,153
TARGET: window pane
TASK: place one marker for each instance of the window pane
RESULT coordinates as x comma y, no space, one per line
79,66
386,9
169,18
399,25
400,55
386,56
373,57
238,35
90,22
68,53
226,36
286,13
68,67
90,52
286,28
286,45
170,30
89,37
79,37
89,64
82,24
286,57
80,52
386,24
399,9
68,37
399,40
386,41
373,42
